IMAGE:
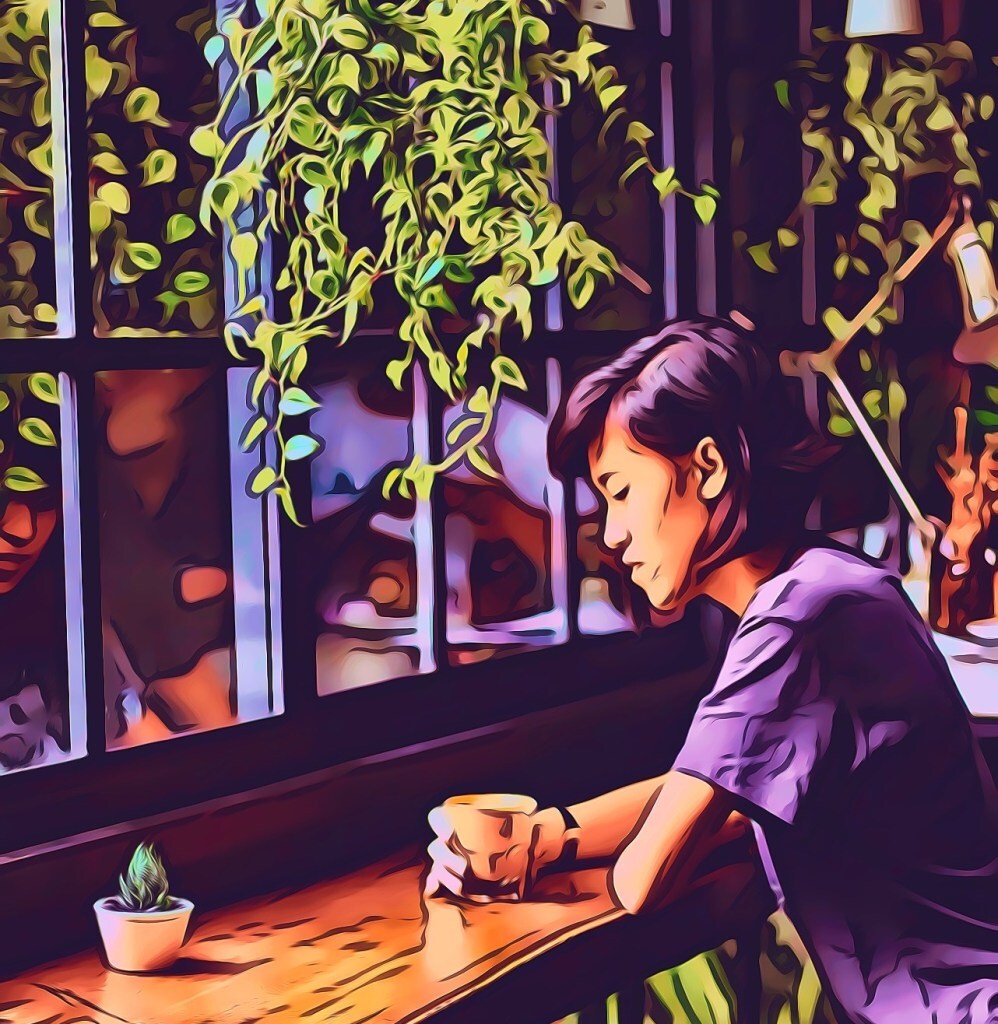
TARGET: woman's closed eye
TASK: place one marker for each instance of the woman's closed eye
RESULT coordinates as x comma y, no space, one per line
621,494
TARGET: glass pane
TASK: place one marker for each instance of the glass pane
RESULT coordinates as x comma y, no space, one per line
627,220
27,209
604,596
149,86
38,649
370,560
166,554
505,540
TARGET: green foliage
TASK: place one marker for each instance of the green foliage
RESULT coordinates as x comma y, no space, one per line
27,273
144,887
434,110
877,122
29,421
140,164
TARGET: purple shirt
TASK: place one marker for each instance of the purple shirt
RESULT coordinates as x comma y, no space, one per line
837,726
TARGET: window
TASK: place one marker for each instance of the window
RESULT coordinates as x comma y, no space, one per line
176,604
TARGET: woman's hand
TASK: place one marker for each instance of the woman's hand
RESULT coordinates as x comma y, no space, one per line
484,864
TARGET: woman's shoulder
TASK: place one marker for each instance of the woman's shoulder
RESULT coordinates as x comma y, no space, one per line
824,577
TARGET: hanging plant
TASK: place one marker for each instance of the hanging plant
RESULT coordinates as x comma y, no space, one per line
431,117
28,424
877,122
139,162
27,273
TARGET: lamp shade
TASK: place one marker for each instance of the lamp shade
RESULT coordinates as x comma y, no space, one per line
883,18
611,13
978,342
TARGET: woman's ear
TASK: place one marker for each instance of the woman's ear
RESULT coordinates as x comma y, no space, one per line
710,469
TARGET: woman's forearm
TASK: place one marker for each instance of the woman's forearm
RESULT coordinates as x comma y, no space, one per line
607,822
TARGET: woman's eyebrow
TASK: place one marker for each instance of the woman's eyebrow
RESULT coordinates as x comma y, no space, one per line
604,477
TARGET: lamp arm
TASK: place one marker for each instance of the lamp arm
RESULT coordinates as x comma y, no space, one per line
827,357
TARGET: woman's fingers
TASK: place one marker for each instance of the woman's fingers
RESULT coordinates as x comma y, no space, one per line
447,869
440,853
440,822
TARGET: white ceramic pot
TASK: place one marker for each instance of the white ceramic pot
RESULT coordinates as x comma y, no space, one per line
136,941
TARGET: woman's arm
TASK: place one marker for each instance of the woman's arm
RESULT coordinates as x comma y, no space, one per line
685,821
655,818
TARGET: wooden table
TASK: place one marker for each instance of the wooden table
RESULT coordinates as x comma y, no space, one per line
367,948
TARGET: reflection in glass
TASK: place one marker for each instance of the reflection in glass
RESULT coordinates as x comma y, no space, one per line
604,599
505,539
27,204
372,581
166,553
40,634
626,219
149,86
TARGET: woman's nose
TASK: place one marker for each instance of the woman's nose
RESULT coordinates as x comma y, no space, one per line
17,525
614,533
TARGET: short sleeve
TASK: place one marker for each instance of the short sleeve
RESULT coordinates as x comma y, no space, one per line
765,728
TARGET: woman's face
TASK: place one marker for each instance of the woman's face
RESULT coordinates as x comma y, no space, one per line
24,532
655,516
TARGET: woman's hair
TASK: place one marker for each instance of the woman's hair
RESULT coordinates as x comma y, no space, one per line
696,379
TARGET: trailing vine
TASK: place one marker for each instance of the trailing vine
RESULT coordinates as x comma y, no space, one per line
429,119
28,424
876,123
27,271
147,250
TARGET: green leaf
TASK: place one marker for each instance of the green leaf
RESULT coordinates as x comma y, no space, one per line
395,370
782,88
38,216
836,323
479,401
840,426
300,447
115,195
393,476
159,166
638,132
760,254
191,282
4,400
350,32
431,272
665,183
476,457
110,163
841,265
787,239
244,247
37,431
506,371
295,402
22,480
462,426
373,150
45,387
263,478
179,227
986,418
206,141
142,104
705,206
253,433
143,255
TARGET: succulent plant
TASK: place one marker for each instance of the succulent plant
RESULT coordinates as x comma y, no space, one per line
144,886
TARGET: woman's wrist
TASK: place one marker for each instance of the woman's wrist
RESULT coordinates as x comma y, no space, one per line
556,827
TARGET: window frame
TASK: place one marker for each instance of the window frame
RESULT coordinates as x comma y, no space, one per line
65,799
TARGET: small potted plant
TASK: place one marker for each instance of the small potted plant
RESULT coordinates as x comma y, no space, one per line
143,927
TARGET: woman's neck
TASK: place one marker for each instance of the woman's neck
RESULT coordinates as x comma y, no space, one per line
735,583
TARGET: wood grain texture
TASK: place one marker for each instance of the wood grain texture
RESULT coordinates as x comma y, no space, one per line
361,948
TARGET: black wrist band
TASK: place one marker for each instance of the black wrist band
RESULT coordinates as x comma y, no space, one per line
568,818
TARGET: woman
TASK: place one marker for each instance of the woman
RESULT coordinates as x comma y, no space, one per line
834,724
